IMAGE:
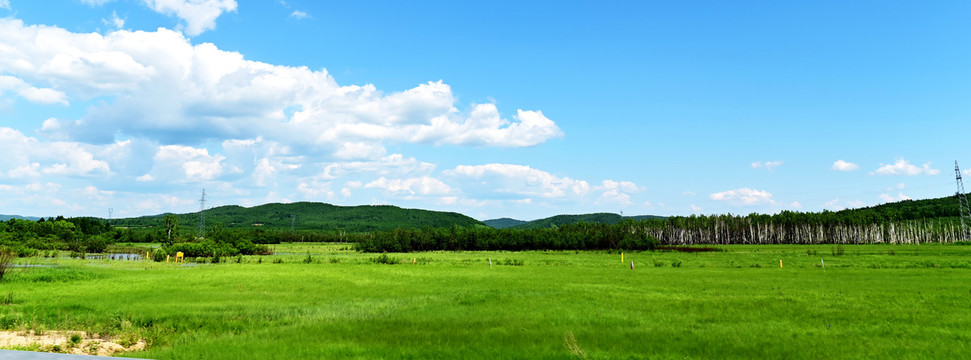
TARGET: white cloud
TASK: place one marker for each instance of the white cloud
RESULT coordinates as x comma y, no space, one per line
75,161
744,196
186,164
520,180
5,4
30,93
299,15
414,186
903,167
891,198
836,204
394,165
164,88
696,209
841,165
767,165
689,193
617,192
115,21
199,15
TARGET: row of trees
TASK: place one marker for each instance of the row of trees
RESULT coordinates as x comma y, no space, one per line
627,235
801,228
26,238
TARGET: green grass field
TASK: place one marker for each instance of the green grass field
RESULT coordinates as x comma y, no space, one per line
873,301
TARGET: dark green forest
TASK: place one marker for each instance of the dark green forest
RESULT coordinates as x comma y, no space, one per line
233,230
308,216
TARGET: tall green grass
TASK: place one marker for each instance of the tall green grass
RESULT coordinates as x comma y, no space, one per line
866,303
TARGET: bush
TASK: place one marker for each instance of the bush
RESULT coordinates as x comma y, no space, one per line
159,255
384,259
95,244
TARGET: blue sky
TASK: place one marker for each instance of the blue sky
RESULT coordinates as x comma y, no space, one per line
499,109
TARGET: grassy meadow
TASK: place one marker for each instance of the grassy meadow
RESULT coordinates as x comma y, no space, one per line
328,301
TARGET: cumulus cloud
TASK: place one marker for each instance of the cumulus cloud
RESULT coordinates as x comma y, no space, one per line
520,180
199,15
744,196
841,165
30,93
767,165
5,4
617,192
186,164
415,186
169,90
24,157
903,167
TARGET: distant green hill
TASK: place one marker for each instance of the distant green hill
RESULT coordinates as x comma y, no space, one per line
312,216
559,220
503,223
8,217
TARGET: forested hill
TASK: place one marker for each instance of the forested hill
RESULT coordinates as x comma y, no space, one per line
8,217
503,223
313,216
901,210
560,220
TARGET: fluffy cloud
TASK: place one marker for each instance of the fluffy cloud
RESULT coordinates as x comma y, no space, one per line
25,157
30,93
415,186
767,165
164,88
841,165
617,192
903,167
891,198
5,4
520,180
744,196
199,15
186,164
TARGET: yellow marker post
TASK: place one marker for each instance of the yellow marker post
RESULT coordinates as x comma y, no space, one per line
780,263
621,258
166,258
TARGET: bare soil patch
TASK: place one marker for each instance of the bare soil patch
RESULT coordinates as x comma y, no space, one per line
67,342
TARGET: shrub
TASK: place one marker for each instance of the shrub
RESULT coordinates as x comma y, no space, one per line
384,259
159,255
676,263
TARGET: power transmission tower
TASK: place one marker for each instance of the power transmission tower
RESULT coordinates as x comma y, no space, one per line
110,210
202,214
963,200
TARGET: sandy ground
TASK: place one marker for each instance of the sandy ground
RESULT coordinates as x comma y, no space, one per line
60,341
